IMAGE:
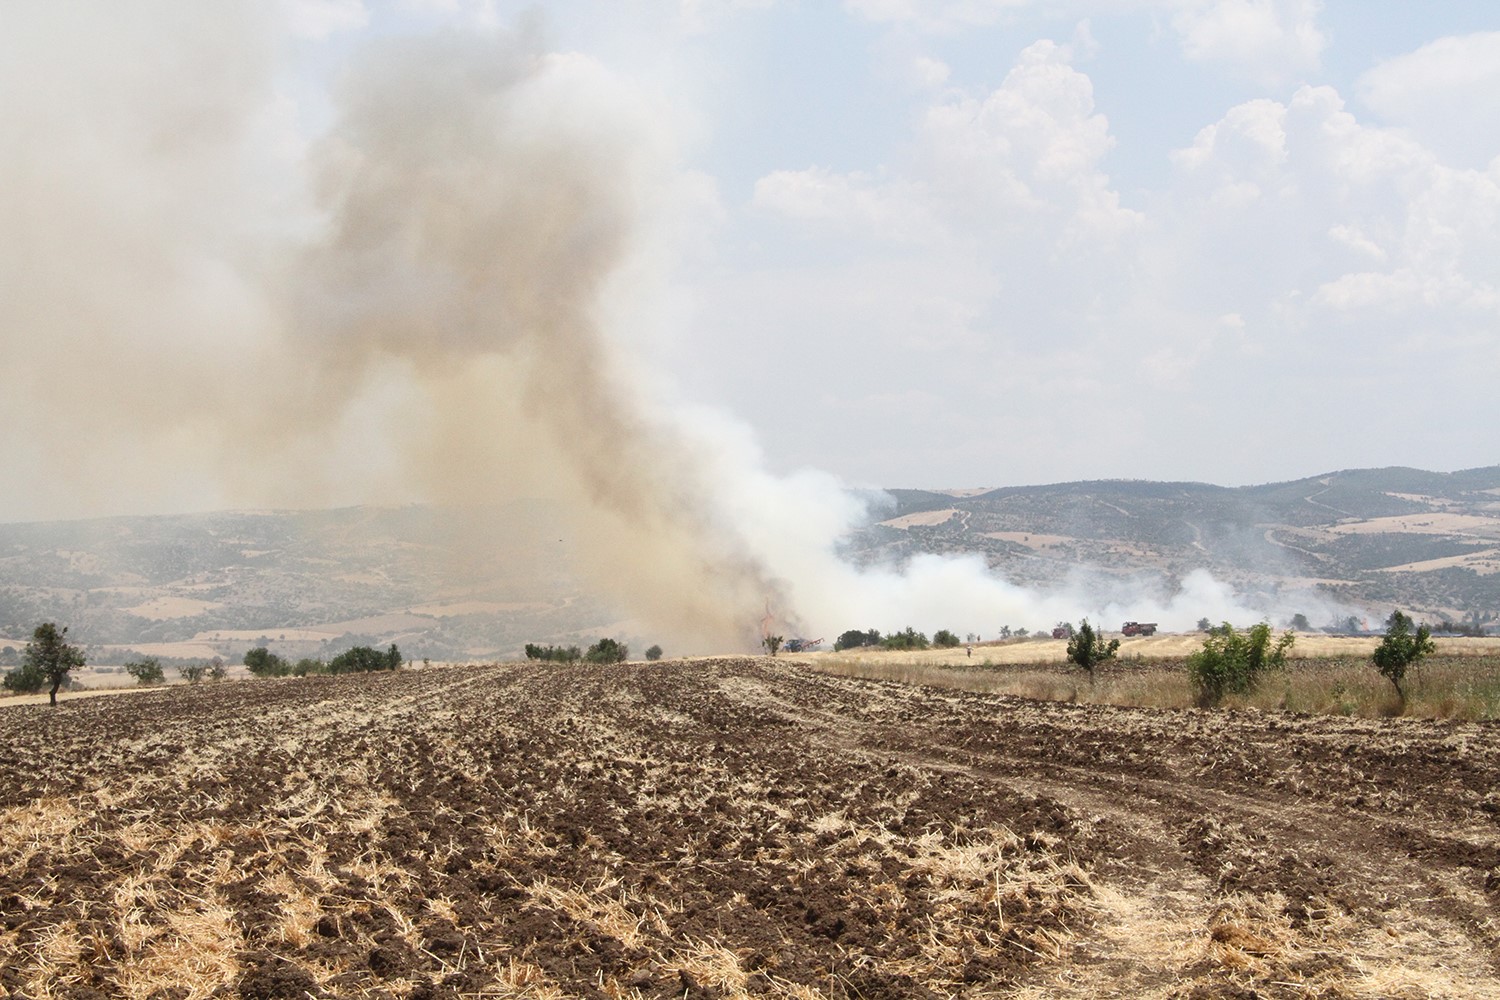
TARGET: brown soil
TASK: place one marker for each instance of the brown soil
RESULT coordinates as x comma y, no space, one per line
731,828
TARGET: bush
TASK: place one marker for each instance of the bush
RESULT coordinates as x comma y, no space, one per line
1232,662
364,659
944,639
854,638
1088,649
146,671
909,638
772,643
25,679
192,672
307,665
47,660
607,650
653,654
559,654
264,663
1401,649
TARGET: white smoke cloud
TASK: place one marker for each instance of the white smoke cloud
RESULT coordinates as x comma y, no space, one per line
431,299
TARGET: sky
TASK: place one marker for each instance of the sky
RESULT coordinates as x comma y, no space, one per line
898,243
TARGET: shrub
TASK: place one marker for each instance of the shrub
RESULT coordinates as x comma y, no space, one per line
25,679
772,643
1232,662
264,663
365,659
653,653
944,639
47,660
146,671
559,654
1088,649
607,650
308,665
192,672
1401,649
854,638
909,638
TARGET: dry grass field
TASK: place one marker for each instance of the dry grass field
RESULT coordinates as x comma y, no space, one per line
733,828
1326,675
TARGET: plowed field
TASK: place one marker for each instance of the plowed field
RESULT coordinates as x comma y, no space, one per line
732,828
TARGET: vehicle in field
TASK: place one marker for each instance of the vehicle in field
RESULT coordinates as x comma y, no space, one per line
1138,628
1063,630
802,645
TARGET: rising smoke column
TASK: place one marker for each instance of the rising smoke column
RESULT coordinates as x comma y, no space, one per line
421,302
481,198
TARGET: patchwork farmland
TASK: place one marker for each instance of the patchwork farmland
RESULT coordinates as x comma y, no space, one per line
733,828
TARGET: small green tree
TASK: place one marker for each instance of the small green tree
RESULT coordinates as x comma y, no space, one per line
944,639
264,663
364,659
772,643
653,653
192,672
1088,649
46,661
1204,625
607,650
907,638
854,638
146,671
25,679
1401,649
1232,662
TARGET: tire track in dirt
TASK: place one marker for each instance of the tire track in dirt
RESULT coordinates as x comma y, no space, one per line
732,828
1175,822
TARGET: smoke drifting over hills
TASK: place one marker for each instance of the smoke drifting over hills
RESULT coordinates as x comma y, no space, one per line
206,307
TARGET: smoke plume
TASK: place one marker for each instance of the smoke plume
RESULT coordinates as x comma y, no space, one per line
218,291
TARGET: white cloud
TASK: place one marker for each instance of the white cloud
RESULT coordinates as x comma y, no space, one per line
318,19
1446,94
1269,41
848,202
929,73
1031,149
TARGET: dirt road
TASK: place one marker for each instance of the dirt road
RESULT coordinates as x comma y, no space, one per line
732,828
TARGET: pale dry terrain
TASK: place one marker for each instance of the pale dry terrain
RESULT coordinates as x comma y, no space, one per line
733,828
1162,646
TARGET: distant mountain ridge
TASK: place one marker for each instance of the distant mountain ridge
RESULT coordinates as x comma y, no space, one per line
1425,541
314,582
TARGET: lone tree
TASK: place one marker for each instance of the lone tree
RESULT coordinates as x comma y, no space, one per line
1088,649
264,663
607,650
854,638
653,653
1401,649
772,643
51,656
146,671
1232,662
944,639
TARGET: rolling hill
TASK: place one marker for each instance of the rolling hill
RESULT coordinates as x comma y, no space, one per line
311,583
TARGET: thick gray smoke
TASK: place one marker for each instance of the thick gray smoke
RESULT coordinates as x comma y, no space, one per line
203,306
